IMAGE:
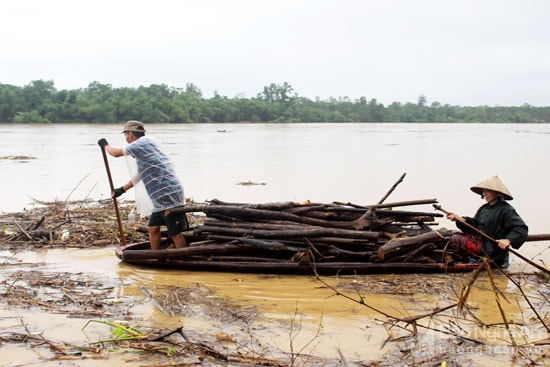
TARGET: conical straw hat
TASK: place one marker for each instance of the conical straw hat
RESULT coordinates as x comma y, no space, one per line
494,183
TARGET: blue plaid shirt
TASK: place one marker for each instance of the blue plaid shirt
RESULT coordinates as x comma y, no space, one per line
157,173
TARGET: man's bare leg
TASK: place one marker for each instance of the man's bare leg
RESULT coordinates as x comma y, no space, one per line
179,241
154,237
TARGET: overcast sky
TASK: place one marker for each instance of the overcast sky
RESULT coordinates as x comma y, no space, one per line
460,52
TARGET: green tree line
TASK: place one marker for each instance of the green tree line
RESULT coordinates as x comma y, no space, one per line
41,102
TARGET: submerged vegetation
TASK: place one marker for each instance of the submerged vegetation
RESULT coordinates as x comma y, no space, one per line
41,102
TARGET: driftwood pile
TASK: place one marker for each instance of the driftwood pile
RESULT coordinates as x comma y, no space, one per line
289,237
75,224
328,232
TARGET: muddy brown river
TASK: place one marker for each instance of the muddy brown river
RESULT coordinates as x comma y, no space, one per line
294,313
292,319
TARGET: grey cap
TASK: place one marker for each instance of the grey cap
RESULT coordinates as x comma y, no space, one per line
134,125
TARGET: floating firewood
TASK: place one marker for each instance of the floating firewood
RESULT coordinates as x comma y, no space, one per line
399,246
304,232
310,231
206,250
354,255
270,245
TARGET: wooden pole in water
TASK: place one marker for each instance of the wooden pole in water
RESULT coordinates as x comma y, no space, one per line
122,237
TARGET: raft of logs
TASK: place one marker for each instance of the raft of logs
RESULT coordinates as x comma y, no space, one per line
307,238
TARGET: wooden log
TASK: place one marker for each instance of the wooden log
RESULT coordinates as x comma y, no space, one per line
270,245
190,208
347,243
299,207
257,259
40,233
413,255
23,231
202,243
306,209
322,243
286,267
180,253
392,231
272,225
389,205
396,213
392,189
330,216
310,231
339,216
399,246
414,218
277,206
257,215
354,214
384,212
353,255
369,220
538,237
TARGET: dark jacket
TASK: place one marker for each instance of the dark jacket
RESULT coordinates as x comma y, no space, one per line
499,221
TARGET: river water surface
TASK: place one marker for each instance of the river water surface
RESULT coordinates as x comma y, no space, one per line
355,163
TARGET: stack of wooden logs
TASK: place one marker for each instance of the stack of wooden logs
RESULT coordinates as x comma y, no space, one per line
296,238
335,232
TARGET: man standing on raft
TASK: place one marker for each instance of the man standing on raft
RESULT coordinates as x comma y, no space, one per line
158,175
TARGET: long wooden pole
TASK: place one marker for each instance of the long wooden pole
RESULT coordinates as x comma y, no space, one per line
392,188
538,237
122,237
485,235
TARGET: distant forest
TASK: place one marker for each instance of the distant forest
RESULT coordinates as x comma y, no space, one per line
41,102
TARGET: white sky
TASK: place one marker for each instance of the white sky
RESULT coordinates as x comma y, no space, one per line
460,52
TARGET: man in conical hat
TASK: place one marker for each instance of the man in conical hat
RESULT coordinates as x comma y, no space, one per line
497,218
